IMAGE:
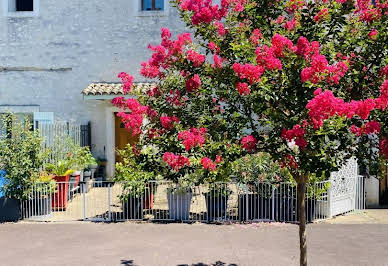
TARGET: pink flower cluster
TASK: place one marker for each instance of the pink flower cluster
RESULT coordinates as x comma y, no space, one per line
193,83
256,36
248,71
176,162
213,47
383,147
174,98
372,127
289,162
163,54
295,134
208,164
196,58
382,101
203,10
320,69
369,12
168,122
220,28
325,105
193,137
133,120
127,81
249,143
294,5
243,88
217,62
321,15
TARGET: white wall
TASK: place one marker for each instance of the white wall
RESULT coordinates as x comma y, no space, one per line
95,39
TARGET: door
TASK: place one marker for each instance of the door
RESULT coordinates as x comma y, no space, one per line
122,136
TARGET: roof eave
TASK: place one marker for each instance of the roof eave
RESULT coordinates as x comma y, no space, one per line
103,97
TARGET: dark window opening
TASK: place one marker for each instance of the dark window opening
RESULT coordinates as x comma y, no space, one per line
152,5
24,5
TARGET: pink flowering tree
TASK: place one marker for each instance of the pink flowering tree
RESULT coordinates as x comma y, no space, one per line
305,81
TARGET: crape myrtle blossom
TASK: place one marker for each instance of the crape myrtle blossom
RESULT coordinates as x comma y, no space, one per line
192,137
168,122
296,134
176,162
134,119
127,81
372,127
325,105
248,143
383,146
208,164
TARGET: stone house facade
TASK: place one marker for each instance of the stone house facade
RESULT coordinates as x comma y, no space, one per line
51,51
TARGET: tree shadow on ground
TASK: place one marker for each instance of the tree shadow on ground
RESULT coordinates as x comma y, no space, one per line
217,263
127,262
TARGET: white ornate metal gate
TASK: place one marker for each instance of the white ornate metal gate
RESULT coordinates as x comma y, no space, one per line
346,190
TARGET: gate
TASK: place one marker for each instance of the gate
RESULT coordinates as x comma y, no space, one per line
346,191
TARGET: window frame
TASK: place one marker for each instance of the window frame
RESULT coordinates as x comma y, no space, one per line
150,13
21,14
153,4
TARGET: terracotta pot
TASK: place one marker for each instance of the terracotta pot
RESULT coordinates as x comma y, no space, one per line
59,198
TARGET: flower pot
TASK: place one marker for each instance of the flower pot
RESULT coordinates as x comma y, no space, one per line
133,208
37,207
216,206
311,204
9,210
148,199
284,208
254,207
76,177
179,205
248,207
60,197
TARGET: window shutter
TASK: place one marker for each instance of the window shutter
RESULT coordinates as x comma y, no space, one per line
43,118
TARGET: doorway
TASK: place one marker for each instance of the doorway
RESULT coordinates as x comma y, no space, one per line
122,137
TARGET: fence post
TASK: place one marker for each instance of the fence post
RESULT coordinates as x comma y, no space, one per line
329,198
83,201
109,210
273,204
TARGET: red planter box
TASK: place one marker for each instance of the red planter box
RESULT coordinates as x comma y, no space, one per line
59,199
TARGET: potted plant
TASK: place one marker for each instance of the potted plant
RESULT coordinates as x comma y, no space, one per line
217,201
38,195
61,173
179,198
78,156
217,175
134,183
21,155
261,193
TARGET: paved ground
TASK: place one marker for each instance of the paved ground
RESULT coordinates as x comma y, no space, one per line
183,244
369,216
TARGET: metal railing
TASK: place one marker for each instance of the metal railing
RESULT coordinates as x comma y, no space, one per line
164,201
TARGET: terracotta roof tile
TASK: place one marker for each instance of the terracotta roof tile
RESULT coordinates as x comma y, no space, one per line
114,88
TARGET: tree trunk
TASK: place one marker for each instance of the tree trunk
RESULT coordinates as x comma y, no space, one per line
302,222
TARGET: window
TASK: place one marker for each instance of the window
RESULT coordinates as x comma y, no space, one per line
24,5
152,5
21,8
